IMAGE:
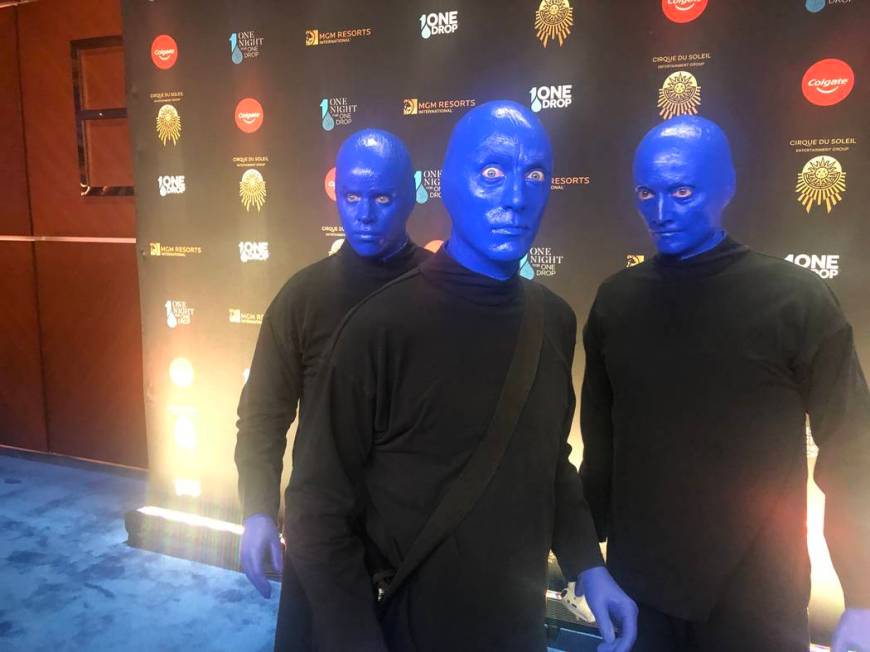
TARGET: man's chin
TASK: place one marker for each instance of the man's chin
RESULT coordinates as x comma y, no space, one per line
367,249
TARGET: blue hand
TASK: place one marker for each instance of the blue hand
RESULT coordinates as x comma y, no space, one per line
259,538
853,631
612,608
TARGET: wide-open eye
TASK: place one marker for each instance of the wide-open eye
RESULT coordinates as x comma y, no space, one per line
536,175
683,192
383,199
644,194
492,172
352,197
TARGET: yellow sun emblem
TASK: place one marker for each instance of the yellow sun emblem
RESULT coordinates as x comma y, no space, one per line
168,124
252,190
679,95
553,20
821,180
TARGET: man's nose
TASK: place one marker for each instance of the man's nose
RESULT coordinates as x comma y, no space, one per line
515,193
366,214
659,212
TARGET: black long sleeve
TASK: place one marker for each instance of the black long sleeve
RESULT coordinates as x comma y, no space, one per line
266,410
573,509
700,374
596,427
410,387
296,330
838,404
328,554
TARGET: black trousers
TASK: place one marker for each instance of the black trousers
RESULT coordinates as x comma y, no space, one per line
726,631
293,630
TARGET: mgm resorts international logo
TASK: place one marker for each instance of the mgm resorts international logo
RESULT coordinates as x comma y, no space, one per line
416,106
540,261
438,24
253,251
553,21
238,316
821,181
245,45
680,94
336,111
825,265
171,185
178,313
176,251
550,97
428,185
321,37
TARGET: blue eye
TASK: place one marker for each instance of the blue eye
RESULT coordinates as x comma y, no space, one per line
352,197
683,193
492,172
644,194
536,175
383,199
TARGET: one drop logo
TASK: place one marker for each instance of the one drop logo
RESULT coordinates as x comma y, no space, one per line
326,119
443,22
235,50
550,97
828,82
683,11
422,193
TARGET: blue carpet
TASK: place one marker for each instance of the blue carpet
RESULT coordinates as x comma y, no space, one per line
69,582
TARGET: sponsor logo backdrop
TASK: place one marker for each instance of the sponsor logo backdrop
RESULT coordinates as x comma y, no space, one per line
237,110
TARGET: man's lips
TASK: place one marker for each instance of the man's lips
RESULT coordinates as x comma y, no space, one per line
664,233
366,235
510,230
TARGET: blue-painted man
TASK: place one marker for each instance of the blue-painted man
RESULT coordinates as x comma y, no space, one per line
375,195
410,388
701,367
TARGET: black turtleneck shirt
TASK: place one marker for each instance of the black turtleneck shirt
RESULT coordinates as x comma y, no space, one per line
409,389
295,331
699,377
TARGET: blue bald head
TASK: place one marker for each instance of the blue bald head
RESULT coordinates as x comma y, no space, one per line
374,191
495,183
684,178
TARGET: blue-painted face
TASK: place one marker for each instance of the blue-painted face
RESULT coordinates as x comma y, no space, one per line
374,190
684,179
495,183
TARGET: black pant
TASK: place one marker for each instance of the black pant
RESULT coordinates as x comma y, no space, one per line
293,630
726,631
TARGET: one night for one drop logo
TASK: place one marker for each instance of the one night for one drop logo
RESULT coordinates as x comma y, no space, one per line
336,112
440,23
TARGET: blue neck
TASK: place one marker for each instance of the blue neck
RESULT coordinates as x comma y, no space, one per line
710,243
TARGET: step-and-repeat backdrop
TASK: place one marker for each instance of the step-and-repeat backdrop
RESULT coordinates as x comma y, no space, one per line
237,109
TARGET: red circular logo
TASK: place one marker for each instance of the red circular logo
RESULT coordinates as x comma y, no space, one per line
828,82
683,11
249,115
329,184
164,52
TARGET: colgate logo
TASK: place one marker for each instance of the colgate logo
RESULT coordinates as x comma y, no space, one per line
249,115
828,82
164,52
329,184
683,11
